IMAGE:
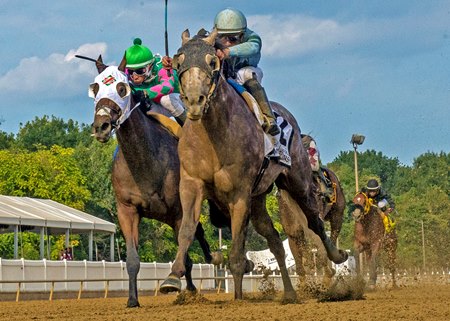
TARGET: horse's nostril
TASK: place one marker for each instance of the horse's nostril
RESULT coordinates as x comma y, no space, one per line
105,126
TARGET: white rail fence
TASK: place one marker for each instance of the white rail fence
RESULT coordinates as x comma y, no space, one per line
93,274
22,275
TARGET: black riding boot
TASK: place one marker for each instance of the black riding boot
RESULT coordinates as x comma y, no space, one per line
258,92
181,119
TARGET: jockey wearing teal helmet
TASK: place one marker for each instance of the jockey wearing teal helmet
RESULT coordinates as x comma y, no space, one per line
243,52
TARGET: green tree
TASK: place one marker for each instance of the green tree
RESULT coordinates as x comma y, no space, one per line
47,132
49,174
6,140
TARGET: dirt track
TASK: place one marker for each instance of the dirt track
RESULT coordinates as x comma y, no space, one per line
418,302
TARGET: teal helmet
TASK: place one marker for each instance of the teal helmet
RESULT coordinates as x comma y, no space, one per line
230,21
138,56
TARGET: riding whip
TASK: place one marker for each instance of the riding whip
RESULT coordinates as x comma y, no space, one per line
86,58
166,36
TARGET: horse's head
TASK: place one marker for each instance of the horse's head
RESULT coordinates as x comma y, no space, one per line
362,205
112,99
198,70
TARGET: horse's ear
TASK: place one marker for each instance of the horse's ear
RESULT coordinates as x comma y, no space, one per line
100,65
123,63
211,39
185,36
177,60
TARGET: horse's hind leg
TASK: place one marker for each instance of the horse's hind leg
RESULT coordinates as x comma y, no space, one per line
189,283
129,223
263,225
390,247
200,236
308,204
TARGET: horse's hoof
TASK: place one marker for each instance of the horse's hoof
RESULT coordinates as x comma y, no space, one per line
289,298
133,304
171,284
340,258
249,266
217,258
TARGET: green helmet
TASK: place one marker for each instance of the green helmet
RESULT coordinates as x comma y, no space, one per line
138,56
230,21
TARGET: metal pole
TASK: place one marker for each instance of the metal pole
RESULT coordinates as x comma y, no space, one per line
423,245
356,168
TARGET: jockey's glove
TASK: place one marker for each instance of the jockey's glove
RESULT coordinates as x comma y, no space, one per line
139,96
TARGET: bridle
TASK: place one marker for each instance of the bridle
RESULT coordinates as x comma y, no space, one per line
195,52
103,110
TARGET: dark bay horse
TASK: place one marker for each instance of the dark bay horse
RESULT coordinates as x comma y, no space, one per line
146,168
331,210
370,237
222,156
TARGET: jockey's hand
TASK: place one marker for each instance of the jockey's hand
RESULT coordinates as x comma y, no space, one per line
389,210
139,96
223,53
166,62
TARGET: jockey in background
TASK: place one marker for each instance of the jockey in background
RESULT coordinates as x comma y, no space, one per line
325,184
383,200
153,81
242,50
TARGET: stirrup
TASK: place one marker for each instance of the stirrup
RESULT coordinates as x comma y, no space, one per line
272,128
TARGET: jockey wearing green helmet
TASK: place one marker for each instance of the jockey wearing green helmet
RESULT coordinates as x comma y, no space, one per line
243,52
151,82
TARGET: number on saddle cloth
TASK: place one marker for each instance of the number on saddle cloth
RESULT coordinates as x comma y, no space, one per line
278,148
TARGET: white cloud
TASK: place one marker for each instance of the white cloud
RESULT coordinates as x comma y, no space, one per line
293,35
297,35
58,75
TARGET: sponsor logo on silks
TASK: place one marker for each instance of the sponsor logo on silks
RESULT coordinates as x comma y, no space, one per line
109,80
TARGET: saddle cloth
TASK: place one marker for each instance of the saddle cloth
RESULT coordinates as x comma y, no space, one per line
275,147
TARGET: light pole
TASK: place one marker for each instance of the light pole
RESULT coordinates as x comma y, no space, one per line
423,245
357,139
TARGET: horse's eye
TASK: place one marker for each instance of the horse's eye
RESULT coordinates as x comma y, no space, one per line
121,89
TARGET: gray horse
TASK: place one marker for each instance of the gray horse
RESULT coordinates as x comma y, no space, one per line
222,156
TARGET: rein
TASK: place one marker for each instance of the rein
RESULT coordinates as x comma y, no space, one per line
367,203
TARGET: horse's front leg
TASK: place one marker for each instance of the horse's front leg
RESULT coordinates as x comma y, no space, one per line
191,194
239,211
373,263
129,223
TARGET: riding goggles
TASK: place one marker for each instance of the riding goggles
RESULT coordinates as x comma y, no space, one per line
140,71
230,39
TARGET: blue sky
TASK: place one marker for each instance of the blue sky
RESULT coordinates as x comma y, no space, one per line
341,67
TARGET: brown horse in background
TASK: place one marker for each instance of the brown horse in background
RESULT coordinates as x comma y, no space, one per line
331,210
222,156
370,237
145,171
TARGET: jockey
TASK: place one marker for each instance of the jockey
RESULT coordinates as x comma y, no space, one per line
152,81
242,49
380,197
326,187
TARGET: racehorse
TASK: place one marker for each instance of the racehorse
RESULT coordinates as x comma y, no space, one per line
222,156
370,237
146,167
331,210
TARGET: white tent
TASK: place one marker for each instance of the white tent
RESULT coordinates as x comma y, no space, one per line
45,216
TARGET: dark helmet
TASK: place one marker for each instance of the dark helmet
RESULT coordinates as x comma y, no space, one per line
372,185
